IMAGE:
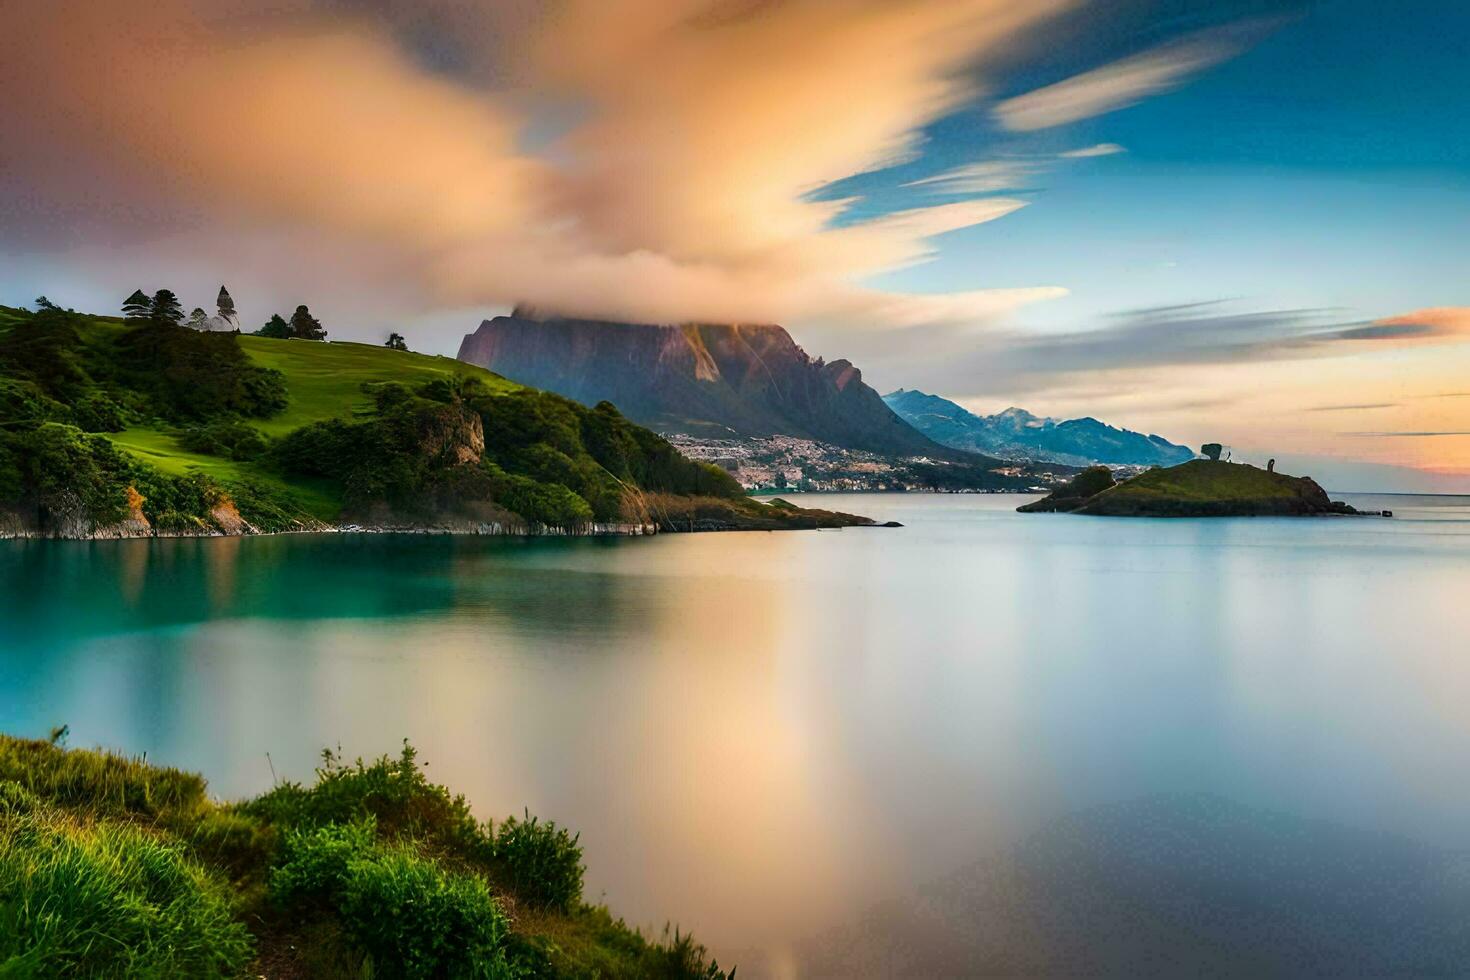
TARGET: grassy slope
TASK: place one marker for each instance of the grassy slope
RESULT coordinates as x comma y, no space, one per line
1203,479
324,380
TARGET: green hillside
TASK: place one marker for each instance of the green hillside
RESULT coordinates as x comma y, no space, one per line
327,380
1198,488
144,426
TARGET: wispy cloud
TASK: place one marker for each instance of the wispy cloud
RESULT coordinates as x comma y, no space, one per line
985,177
1353,408
1407,435
1098,150
1126,82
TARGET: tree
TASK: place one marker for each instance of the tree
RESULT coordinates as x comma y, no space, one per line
198,319
1212,450
275,327
42,303
135,308
396,342
226,306
165,309
305,326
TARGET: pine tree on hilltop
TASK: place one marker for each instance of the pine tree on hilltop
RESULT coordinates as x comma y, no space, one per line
305,326
135,307
165,309
198,319
226,305
396,342
276,327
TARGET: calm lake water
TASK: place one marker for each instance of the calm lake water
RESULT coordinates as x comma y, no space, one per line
982,742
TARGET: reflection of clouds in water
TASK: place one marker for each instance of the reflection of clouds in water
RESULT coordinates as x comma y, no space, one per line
1173,886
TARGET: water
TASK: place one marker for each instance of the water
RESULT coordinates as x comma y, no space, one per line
985,741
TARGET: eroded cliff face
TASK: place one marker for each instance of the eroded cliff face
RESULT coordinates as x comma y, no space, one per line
710,379
451,432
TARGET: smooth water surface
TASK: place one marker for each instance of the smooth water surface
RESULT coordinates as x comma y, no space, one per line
983,741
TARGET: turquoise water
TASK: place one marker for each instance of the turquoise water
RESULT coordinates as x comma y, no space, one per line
984,741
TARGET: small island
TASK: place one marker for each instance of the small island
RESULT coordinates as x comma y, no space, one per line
1198,488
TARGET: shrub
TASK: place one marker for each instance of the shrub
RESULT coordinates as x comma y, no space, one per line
313,864
392,793
108,900
25,401
225,437
417,920
412,917
542,861
96,411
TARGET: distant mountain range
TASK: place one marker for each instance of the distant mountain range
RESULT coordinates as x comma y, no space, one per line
1017,434
714,380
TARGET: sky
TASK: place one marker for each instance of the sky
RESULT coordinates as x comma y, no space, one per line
1242,221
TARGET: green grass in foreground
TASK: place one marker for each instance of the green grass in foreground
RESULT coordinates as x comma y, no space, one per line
110,867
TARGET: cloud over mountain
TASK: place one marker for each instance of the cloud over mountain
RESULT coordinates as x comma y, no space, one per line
651,159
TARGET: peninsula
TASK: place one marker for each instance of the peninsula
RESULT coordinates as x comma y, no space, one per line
141,426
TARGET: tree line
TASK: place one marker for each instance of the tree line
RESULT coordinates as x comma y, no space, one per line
164,309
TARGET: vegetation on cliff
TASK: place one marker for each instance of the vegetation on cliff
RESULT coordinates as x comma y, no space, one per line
110,867
1199,488
140,426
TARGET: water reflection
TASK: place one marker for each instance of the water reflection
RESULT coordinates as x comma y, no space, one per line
1173,886
763,735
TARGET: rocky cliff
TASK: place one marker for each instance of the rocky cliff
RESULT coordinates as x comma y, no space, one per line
705,379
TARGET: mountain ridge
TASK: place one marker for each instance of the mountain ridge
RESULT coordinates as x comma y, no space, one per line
1018,434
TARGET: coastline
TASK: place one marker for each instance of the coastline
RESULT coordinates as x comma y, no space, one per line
130,530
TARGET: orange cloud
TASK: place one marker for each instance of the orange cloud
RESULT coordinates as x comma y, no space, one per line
674,183
1436,321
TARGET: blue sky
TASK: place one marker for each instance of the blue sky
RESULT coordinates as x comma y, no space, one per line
1325,166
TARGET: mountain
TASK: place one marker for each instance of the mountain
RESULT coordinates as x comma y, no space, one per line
703,379
1017,434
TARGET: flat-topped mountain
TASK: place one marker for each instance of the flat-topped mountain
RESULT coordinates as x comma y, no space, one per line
1017,434
704,379
1199,488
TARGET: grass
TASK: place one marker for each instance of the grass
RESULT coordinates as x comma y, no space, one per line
1204,479
113,867
161,449
326,379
